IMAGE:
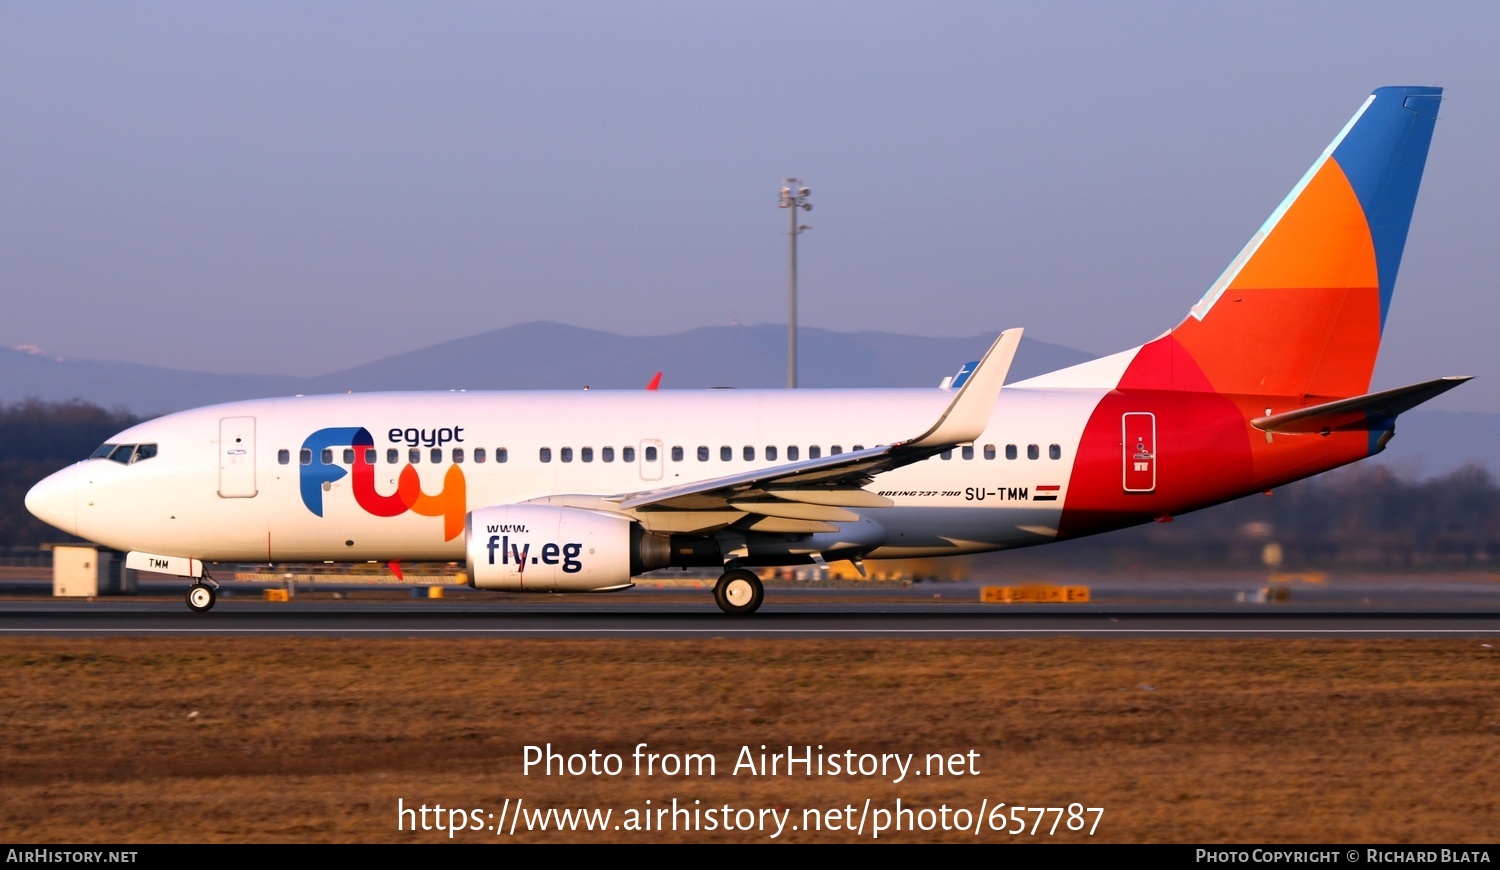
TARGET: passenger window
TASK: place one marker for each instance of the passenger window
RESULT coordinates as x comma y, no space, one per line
327,456
566,454
1010,451
348,455
458,456
144,452
305,456
946,454
814,452
284,457
392,456
676,454
726,453
627,454
503,455
749,453
607,454
770,453
369,455
437,456
586,454
545,454
989,451
858,447
835,450
1032,452
702,454
792,453
479,455
414,456
1054,451
968,451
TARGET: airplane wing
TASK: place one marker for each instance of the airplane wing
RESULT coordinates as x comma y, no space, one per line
811,495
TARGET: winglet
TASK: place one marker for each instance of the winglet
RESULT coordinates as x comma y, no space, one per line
655,382
969,411
958,380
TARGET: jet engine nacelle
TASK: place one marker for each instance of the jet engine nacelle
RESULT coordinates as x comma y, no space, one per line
545,548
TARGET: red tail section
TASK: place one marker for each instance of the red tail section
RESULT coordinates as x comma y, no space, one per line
1295,321
1300,311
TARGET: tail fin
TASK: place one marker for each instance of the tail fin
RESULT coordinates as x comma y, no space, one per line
1300,311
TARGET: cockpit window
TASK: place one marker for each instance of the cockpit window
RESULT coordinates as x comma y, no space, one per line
125,454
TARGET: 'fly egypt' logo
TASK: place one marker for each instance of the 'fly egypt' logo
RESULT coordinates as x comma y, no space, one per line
448,504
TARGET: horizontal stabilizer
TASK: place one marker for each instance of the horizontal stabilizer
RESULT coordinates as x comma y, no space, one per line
1359,414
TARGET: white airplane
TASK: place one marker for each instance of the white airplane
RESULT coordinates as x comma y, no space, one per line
1264,382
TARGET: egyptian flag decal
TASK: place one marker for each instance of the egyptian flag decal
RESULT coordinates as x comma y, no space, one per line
1045,493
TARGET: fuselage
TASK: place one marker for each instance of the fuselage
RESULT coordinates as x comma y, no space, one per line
292,480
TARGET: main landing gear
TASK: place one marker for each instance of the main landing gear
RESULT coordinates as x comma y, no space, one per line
202,595
738,592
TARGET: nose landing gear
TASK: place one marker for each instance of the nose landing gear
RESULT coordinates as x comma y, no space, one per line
202,595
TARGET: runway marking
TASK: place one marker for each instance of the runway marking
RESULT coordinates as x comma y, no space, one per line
818,631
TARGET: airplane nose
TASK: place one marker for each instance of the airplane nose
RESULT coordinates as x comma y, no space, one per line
53,501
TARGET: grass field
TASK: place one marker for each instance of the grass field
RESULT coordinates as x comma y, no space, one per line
277,740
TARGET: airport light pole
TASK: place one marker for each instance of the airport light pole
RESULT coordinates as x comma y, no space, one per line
793,197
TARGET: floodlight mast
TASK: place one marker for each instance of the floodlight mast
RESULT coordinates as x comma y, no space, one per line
793,196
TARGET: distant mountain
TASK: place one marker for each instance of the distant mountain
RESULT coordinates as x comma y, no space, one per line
556,356
543,356
139,389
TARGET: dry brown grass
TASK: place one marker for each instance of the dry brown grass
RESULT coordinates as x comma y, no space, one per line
273,740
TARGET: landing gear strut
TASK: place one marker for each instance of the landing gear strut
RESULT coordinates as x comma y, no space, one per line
202,595
738,592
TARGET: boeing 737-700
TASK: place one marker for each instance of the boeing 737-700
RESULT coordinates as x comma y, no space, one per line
1264,382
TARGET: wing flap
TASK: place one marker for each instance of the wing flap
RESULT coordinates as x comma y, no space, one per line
669,522
797,510
787,526
836,496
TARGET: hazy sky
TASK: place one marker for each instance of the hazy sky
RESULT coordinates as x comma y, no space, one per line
301,187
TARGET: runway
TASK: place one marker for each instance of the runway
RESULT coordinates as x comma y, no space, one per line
1164,605
231,618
